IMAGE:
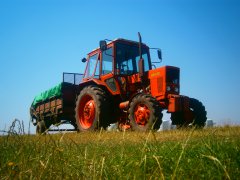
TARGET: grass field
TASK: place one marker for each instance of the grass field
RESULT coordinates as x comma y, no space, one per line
212,153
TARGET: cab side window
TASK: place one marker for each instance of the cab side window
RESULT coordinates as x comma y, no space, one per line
92,65
107,61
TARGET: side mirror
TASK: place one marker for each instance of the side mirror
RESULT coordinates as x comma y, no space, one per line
84,60
103,45
159,52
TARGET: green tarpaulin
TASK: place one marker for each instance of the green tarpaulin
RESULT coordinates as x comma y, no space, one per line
55,91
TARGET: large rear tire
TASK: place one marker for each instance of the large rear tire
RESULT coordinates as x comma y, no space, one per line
92,106
145,113
197,116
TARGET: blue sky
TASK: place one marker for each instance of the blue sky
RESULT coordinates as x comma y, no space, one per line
41,39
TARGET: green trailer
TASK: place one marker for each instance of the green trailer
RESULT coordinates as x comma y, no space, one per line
56,105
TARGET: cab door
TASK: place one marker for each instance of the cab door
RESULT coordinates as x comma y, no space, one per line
107,70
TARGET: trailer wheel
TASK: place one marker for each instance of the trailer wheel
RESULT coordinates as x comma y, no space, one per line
145,113
92,109
41,128
197,116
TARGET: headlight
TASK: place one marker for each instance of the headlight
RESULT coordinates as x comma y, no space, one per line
176,89
168,88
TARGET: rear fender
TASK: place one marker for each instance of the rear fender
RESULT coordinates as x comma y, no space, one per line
93,82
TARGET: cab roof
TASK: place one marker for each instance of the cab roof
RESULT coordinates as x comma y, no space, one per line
119,40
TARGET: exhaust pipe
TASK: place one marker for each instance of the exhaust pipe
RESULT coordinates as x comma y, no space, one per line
141,60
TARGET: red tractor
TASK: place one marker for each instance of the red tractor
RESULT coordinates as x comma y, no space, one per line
120,85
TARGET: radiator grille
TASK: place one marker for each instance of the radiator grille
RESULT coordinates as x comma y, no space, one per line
160,84
157,86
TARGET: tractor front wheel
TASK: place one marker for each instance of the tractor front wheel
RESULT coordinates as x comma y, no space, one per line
196,116
145,113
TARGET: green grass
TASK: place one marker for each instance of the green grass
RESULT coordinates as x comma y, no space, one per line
182,154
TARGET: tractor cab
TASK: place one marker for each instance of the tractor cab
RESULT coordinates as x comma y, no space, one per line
119,57
115,66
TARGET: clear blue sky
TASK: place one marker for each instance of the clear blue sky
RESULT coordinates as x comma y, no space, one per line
40,39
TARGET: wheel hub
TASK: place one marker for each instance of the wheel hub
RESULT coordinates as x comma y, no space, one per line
89,111
86,112
142,114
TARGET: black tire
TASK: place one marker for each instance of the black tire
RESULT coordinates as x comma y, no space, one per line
199,115
151,120
178,119
92,109
41,128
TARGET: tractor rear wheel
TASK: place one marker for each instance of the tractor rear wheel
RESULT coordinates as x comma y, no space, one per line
92,109
145,113
196,116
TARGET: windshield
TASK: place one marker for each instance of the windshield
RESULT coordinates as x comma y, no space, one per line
128,57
